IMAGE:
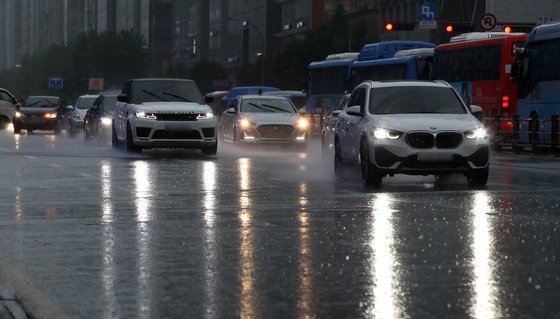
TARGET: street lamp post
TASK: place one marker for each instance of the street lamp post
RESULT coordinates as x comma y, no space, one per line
246,24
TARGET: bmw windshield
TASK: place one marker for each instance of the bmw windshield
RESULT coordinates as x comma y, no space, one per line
415,99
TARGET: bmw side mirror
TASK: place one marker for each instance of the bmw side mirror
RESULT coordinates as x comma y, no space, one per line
69,107
354,110
122,98
230,110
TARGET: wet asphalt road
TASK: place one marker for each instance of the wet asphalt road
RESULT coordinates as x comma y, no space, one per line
87,231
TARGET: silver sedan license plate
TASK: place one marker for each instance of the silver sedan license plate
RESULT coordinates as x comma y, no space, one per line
434,157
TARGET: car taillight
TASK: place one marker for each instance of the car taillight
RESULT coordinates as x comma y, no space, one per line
505,101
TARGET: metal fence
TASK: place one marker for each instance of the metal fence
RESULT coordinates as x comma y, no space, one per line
524,134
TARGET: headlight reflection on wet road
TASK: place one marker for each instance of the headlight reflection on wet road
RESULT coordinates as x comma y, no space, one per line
484,299
211,256
142,180
108,275
247,259
384,261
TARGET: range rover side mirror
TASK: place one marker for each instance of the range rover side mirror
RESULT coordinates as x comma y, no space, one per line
122,98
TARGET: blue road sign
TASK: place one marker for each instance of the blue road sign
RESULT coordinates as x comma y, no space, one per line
56,82
428,11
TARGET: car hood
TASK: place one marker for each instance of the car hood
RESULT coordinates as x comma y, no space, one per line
173,107
37,110
80,111
272,118
427,122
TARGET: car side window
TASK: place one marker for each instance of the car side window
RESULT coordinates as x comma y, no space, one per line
233,104
6,97
358,98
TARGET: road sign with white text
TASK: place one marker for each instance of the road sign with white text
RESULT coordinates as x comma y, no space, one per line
56,82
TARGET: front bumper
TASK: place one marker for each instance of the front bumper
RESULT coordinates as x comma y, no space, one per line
273,135
392,157
174,134
36,123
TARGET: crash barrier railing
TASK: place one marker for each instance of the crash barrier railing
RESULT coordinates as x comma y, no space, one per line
518,134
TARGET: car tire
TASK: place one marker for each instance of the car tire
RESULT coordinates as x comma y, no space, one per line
57,128
478,177
129,142
370,174
338,163
114,138
235,135
212,150
4,123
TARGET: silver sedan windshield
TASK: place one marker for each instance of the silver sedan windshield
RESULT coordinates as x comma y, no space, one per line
267,106
415,99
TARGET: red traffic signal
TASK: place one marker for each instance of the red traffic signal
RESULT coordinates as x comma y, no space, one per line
507,29
458,27
398,26
389,26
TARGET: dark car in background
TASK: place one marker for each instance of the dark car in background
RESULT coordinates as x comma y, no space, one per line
38,113
99,117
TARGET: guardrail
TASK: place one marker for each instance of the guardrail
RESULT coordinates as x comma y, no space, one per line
532,134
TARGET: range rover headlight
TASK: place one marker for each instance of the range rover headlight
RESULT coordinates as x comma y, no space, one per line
50,115
206,116
382,134
144,115
476,133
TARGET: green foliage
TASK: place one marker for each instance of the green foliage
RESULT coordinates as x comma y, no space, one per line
111,56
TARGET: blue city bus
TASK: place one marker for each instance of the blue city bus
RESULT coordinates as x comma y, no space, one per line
327,81
411,64
537,70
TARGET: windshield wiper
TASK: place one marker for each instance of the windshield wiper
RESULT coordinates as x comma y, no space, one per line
259,107
155,95
177,96
276,108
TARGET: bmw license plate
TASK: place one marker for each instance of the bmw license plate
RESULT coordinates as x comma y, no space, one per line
434,157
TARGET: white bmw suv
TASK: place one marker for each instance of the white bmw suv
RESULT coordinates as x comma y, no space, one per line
410,127
163,113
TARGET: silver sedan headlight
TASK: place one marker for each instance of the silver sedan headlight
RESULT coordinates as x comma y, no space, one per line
106,121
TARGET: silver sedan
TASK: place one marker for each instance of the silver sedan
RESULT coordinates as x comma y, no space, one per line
263,119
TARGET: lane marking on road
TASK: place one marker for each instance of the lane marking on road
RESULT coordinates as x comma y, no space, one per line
33,300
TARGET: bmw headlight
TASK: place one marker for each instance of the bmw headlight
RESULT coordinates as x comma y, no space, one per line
52,115
18,114
106,121
302,123
144,115
206,116
78,117
476,133
381,134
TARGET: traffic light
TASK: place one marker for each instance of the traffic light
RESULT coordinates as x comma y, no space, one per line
398,26
525,28
461,27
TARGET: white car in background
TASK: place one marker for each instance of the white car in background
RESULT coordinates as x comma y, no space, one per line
78,112
410,127
163,113
7,108
264,119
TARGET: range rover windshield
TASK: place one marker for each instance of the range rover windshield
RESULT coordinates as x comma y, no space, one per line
166,91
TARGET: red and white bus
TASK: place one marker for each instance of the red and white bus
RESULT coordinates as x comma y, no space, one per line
478,65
